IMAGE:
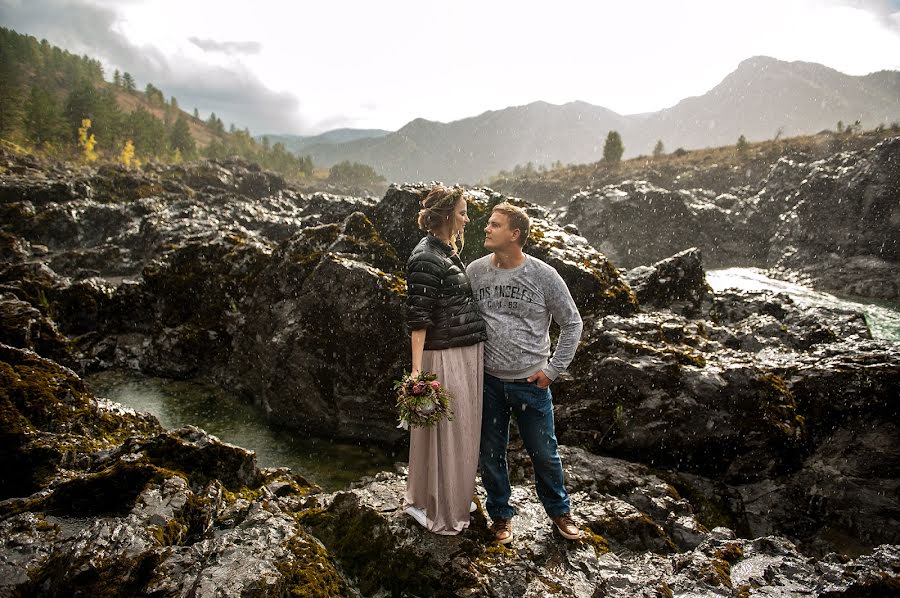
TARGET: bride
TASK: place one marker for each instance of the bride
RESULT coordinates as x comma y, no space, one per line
448,337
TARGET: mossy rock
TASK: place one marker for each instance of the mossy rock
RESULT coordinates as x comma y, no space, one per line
310,572
46,414
367,550
632,530
111,491
198,457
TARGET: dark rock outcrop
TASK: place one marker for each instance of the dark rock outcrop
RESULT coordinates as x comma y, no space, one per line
678,283
842,230
830,222
766,405
636,223
321,336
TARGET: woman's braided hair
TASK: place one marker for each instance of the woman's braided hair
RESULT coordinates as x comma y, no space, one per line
437,210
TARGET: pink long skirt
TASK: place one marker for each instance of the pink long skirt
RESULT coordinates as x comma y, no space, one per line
443,459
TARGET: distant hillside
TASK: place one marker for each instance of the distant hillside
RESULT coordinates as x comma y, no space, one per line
761,98
299,143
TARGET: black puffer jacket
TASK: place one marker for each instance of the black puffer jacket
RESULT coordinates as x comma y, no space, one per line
439,297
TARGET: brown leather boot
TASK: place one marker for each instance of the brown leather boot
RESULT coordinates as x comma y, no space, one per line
567,527
502,529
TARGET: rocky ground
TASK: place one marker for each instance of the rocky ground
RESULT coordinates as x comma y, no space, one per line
716,445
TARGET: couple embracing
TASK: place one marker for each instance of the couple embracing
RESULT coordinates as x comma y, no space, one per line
485,331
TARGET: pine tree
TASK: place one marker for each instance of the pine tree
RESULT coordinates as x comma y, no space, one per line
180,139
81,103
108,118
11,92
147,132
196,113
117,79
128,82
154,95
613,148
659,149
43,118
742,146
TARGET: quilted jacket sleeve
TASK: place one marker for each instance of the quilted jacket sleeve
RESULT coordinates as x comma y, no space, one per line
423,282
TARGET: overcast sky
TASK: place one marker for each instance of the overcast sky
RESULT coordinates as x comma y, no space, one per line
307,67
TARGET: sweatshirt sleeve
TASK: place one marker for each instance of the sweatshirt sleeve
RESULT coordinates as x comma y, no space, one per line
562,307
423,282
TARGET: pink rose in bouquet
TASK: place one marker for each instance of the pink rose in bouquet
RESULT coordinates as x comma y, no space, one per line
435,385
418,388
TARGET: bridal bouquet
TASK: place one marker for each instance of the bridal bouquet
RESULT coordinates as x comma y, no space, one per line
422,401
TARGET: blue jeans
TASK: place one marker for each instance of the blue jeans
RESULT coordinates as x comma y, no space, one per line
533,408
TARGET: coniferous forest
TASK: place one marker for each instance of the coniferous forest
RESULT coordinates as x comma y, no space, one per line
56,103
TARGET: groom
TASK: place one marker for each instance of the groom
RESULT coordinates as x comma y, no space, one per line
518,295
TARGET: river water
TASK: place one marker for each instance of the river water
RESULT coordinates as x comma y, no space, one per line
883,317
333,465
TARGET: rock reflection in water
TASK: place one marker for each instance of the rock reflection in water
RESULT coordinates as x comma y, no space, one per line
331,465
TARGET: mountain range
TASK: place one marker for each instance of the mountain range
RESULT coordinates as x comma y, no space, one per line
764,97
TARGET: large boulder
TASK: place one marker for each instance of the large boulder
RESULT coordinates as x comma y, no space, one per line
678,283
321,335
636,223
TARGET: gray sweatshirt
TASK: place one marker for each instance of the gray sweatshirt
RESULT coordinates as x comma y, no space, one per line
517,304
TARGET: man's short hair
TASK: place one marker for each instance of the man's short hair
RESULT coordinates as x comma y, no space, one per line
518,219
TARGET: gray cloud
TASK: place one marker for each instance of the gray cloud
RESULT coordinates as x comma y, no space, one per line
886,10
234,93
211,45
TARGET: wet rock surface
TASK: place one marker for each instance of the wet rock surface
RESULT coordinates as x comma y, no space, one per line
740,443
183,513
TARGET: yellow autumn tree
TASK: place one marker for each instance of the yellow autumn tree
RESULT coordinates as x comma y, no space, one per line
87,141
176,157
127,156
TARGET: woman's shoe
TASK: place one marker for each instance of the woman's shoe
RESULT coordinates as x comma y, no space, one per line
417,514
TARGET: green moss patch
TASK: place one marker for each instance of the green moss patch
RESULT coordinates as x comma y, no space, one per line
366,549
311,572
